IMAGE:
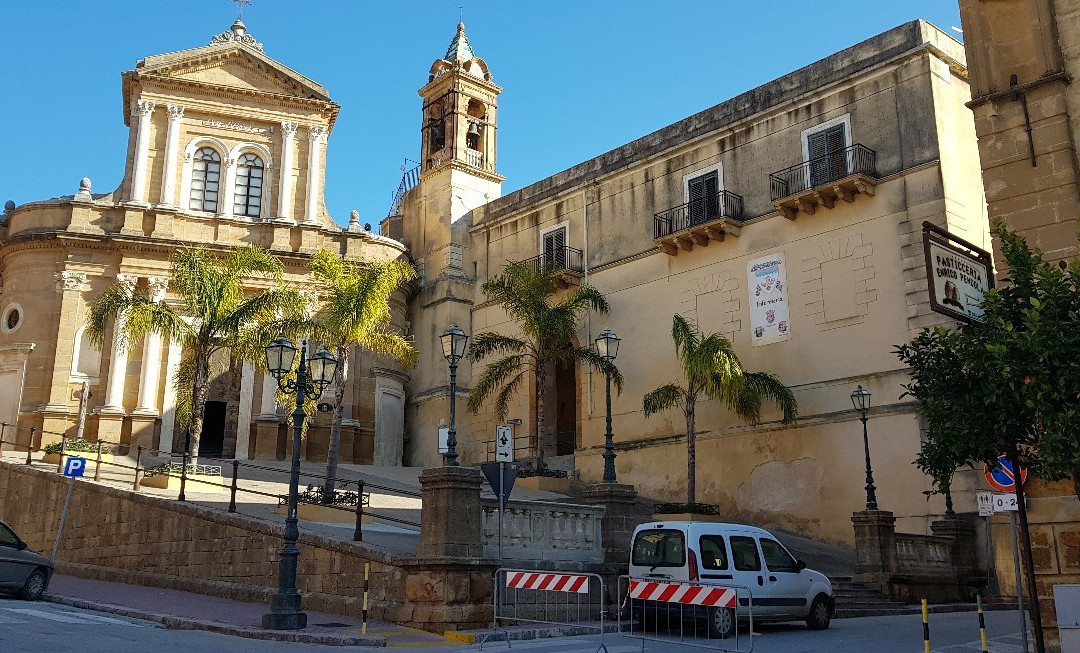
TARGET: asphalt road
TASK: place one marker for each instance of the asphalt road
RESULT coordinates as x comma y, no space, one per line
40,627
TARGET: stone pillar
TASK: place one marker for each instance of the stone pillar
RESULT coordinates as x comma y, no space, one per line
226,192
875,548
141,111
450,513
285,187
963,550
168,180
144,418
168,408
266,423
111,415
620,517
70,285
243,419
311,206
389,416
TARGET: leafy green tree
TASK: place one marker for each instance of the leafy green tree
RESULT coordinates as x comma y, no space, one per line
711,370
354,313
224,318
547,326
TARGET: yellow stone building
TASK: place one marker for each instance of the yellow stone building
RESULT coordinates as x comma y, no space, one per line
226,147
826,174
821,178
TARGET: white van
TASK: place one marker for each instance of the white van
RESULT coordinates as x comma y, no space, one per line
731,555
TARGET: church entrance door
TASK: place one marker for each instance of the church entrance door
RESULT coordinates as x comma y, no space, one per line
212,442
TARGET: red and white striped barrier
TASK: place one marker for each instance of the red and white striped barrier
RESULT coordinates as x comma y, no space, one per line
685,593
547,581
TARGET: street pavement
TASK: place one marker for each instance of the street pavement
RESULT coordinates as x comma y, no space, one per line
40,627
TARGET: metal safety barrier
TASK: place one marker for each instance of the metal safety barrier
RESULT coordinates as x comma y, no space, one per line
713,617
553,598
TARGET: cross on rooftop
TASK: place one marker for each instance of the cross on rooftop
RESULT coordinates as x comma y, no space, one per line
240,7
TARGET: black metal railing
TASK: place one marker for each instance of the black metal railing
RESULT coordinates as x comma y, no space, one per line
822,170
696,212
560,258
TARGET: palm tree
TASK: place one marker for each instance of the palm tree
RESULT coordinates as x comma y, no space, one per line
354,312
547,326
713,371
223,318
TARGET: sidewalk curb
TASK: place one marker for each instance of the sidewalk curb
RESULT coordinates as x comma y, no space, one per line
183,623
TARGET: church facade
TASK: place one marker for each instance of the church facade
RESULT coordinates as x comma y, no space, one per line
788,218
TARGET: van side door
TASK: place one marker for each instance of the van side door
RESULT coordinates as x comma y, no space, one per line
747,571
788,586
715,563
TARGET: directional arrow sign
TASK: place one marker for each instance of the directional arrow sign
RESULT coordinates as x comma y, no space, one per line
504,444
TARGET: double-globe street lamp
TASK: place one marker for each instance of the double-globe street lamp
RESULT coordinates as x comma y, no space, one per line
607,345
860,398
312,376
453,346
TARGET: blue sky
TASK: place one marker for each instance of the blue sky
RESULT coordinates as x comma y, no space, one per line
579,78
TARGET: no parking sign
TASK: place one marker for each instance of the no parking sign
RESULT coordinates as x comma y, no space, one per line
1002,477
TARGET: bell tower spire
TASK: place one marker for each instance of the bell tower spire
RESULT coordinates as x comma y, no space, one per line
459,113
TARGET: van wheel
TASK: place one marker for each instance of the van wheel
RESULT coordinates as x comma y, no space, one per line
721,623
820,613
34,586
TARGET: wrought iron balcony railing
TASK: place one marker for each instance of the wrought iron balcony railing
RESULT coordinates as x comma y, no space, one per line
697,212
823,170
560,258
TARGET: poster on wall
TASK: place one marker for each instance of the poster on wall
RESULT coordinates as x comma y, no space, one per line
767,283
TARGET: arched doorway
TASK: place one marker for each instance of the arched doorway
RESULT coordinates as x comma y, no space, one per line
566,409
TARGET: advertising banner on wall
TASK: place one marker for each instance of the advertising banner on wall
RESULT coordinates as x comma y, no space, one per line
767,283
958,274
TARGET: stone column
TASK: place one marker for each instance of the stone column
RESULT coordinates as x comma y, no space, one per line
243,419
620,517
168,181
111,415
144,417
285,187
875,548
266,423
168,408
141,111
389,416
226,191
450,513
311,206
70,285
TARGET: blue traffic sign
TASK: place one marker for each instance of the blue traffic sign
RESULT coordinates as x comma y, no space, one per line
74,467
1002,477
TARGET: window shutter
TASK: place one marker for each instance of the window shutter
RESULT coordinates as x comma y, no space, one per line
554,244
816,145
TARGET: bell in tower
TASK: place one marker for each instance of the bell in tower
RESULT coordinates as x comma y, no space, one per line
459,112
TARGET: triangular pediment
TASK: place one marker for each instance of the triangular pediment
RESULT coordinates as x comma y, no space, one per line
234,66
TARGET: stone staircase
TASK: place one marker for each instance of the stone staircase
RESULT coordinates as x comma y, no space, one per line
857,600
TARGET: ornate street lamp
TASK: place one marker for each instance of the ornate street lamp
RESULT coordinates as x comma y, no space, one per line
860,398
453,347
312,377
607,345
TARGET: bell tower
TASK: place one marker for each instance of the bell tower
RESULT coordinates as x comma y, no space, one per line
459,126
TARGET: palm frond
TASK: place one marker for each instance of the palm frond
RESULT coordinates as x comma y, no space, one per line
495,375
502,399
663,398
766,386
116,300
593,359
390,344
487,343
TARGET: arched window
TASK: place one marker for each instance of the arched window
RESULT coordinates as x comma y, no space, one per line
247,196
205,178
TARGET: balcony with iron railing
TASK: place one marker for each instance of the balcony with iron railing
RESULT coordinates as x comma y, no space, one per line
567,262
822,180
697,222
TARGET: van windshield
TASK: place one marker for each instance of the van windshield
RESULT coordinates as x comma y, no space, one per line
659,548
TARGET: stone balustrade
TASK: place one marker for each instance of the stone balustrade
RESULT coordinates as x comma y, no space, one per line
919,555
539,530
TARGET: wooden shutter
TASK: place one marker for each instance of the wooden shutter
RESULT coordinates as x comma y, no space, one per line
826,151
555,246
703,192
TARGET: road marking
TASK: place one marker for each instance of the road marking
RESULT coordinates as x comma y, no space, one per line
66,617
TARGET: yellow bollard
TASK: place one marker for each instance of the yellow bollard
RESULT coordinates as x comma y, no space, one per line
982,624
367,572
925,627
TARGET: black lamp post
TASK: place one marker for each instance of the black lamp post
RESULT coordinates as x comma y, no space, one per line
312,377
860,398
453,347
607,345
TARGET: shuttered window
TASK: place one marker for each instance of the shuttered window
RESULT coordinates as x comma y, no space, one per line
827,156
704,194
555,247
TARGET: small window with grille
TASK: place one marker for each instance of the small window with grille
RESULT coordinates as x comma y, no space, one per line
205,180
247,194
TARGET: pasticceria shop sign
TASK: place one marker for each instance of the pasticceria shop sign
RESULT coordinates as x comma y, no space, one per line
958,274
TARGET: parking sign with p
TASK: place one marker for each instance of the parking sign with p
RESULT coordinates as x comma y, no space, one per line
74,467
